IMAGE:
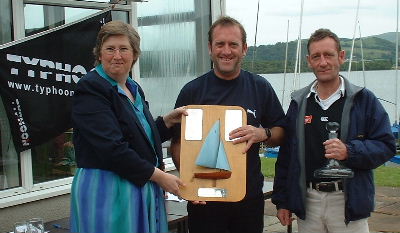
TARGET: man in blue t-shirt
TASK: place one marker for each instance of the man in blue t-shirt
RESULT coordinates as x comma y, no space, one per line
228,84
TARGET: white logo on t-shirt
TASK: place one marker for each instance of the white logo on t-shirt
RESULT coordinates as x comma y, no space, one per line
251,112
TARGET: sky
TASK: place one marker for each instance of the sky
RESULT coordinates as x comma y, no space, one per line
375,17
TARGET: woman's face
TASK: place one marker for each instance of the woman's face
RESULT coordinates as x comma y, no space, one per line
116,56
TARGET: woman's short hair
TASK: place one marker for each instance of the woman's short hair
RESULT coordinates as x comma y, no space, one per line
117,28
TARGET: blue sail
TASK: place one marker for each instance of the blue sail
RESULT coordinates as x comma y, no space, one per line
212,153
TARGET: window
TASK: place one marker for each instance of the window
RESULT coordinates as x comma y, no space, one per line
9,159
40,18
111,1
5,21
174,48
97,0
54,160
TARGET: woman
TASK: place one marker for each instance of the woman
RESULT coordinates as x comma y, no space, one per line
117,186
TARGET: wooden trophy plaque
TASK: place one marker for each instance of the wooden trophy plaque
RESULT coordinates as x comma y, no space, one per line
211,166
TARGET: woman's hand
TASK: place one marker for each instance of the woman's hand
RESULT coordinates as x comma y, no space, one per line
168,182
175,116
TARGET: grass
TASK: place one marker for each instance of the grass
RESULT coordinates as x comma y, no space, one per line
387,176
384,176
268,167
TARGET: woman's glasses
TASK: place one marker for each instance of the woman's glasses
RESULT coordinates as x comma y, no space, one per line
112,51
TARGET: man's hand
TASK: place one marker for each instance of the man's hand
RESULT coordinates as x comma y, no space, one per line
248,134
285,217
335,149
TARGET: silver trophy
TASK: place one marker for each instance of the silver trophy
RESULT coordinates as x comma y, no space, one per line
333,169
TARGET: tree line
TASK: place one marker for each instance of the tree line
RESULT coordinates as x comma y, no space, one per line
378,54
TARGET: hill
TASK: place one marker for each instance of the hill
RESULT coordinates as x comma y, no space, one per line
390,36
378,52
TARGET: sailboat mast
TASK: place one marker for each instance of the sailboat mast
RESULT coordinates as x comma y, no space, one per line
362,55
354,38
397,65
255,37
296,82
286,57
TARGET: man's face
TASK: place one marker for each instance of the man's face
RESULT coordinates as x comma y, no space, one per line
325,60
227,51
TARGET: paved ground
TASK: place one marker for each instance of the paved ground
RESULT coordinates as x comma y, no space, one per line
385,218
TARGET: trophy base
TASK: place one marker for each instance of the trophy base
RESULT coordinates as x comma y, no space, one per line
333,173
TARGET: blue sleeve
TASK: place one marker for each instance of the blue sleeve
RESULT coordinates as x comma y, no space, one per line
165,133
280,194
374,143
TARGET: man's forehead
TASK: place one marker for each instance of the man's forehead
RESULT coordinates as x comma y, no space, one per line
322,46
226,40
233,29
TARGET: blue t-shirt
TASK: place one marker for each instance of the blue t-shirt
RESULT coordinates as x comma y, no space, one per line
249,91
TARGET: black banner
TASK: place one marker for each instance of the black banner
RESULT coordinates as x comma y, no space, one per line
38,76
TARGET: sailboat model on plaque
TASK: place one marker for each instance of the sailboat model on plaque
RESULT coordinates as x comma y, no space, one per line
213,155
212,167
